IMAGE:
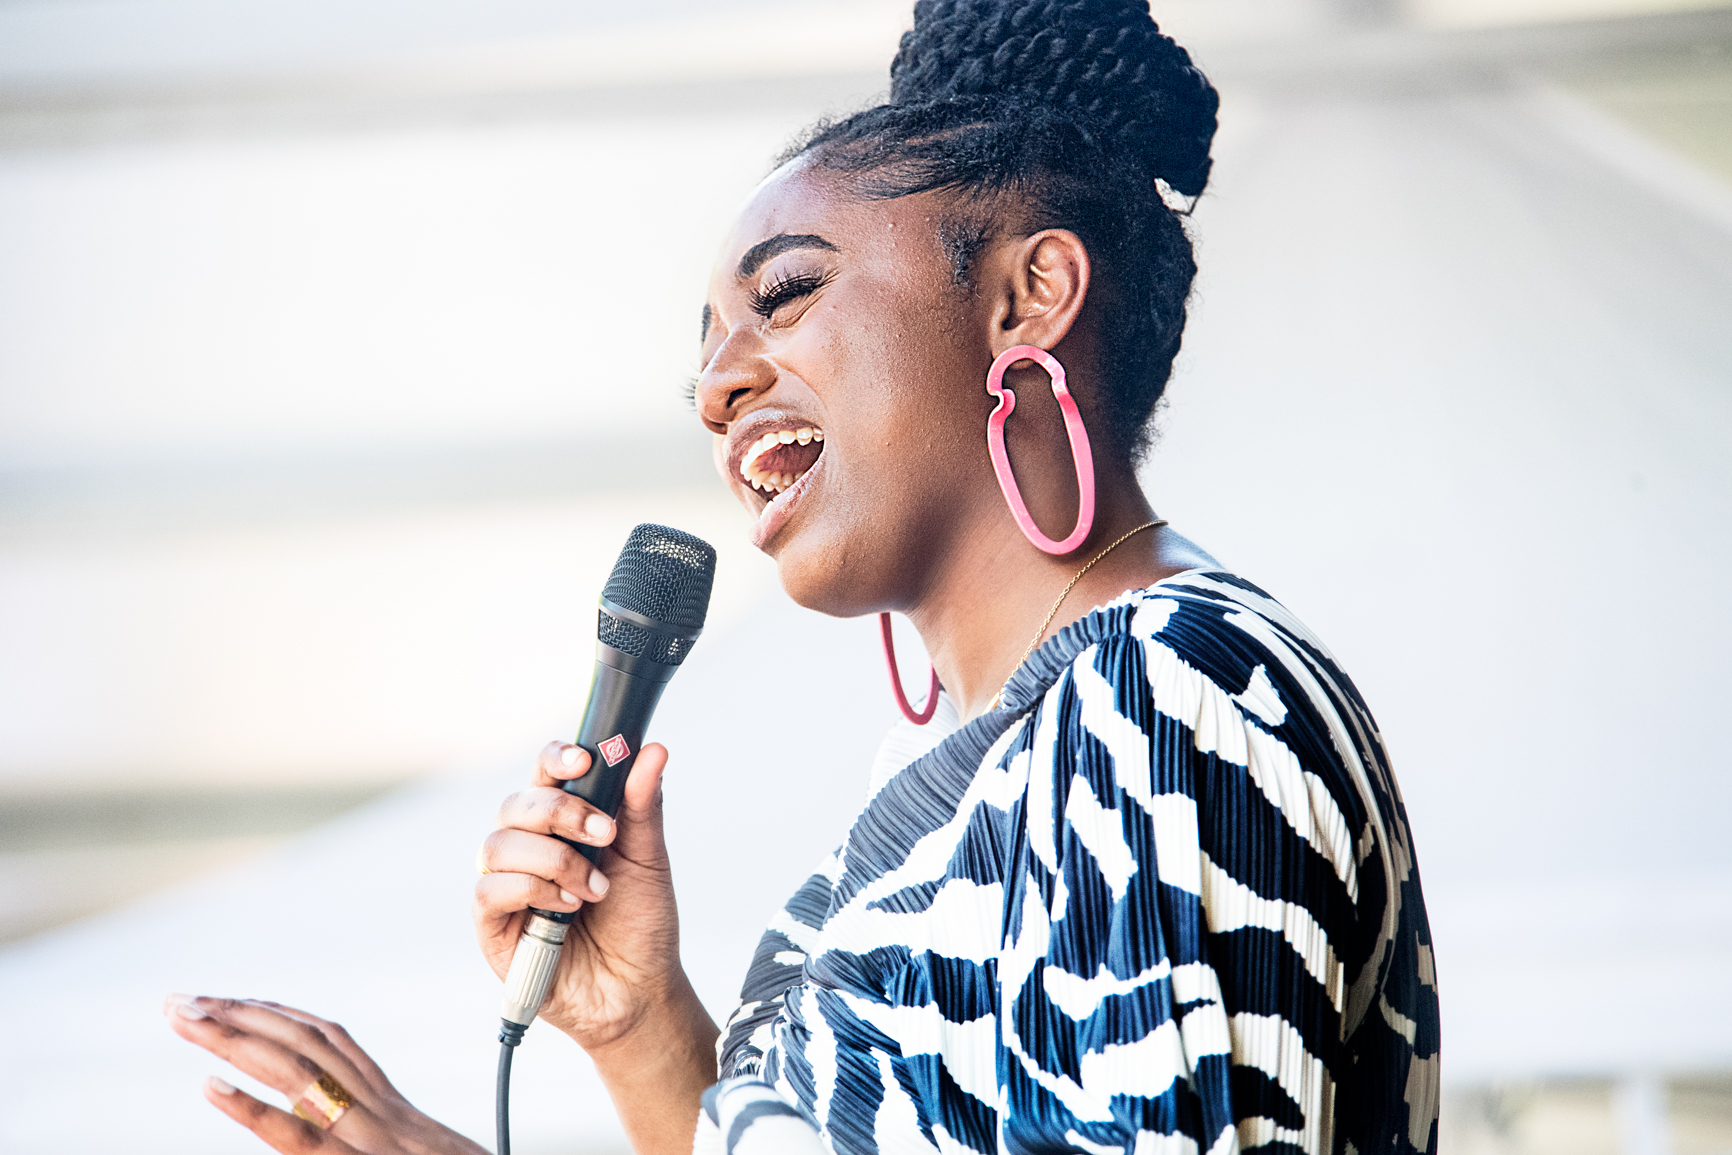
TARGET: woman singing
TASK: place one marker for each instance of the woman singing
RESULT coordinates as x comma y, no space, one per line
1139,880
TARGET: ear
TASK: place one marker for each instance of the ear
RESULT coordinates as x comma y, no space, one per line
1035,287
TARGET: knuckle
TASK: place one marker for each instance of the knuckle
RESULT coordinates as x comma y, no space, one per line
537,806
498,895
569,812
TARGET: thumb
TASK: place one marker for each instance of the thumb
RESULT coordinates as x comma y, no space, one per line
640,814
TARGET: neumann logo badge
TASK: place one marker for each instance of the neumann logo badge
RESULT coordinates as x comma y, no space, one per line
615,750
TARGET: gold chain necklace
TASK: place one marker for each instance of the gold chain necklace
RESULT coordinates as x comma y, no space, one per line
998,698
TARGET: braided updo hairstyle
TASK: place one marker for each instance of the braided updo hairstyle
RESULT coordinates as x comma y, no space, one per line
1039,114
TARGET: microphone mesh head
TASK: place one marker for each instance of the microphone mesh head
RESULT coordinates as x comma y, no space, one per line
665,575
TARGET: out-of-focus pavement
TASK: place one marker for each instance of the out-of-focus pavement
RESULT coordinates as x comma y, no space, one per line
324,409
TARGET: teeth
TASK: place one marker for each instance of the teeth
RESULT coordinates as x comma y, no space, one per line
774,483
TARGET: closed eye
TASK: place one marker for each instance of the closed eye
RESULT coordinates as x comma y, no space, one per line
785,290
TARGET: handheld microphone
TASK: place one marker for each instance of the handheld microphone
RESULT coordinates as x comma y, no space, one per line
652,610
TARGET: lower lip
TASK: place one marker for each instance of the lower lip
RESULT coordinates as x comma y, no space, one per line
776,514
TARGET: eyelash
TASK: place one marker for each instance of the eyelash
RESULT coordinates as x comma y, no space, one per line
785,289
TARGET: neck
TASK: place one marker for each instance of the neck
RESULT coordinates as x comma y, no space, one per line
993,588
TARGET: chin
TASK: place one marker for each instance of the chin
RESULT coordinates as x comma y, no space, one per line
817,577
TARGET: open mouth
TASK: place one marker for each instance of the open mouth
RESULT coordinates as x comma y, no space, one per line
775,461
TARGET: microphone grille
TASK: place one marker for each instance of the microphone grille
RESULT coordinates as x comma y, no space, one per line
664,574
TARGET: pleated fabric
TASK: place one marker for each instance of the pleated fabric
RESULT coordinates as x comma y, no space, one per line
1163,900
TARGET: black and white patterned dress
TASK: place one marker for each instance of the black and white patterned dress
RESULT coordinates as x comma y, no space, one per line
1163,900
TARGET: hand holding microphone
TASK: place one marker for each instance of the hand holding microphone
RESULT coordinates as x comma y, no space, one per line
621,970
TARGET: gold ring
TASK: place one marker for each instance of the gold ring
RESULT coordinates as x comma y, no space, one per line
324,1101
481,860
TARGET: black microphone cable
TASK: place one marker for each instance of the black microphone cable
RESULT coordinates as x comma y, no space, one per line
502,1086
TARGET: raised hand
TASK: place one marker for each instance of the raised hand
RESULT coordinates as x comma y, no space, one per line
291,1050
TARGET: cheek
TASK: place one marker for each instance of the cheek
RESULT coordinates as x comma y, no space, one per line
904,354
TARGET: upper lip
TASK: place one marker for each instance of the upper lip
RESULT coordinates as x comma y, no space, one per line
747,430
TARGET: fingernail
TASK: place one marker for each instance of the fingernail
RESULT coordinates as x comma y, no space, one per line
597,825
188,1011
598,882
169,1002
568,756
567,896
221,1087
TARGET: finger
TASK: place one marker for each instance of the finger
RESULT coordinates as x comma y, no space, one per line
289,1070
520,852
294,1033
550,810
558,762
277,1127
499,896
339,1039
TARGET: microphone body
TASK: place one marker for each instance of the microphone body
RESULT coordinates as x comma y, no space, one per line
622,697
652,610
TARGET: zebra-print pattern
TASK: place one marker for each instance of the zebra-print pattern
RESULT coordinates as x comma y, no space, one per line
1163,900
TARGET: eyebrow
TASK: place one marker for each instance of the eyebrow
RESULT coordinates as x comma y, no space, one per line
777,245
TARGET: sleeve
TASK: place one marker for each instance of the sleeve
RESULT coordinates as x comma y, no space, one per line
745,1116
1151,990
777,965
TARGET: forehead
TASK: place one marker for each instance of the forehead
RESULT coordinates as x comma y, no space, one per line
800,200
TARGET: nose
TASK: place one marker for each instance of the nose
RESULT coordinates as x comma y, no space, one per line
737,374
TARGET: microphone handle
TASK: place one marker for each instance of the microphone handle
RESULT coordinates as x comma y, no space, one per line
622,697
621,701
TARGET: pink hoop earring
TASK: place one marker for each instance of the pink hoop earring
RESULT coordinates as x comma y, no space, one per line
1079,449
925,715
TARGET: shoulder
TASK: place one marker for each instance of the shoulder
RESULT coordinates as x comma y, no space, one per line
1205,685
1194,638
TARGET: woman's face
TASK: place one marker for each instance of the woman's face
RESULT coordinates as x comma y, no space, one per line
842,376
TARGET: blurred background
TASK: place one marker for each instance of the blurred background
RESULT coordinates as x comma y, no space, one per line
341,342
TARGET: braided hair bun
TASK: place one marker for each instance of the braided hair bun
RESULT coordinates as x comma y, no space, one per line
1103,62
1026,115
